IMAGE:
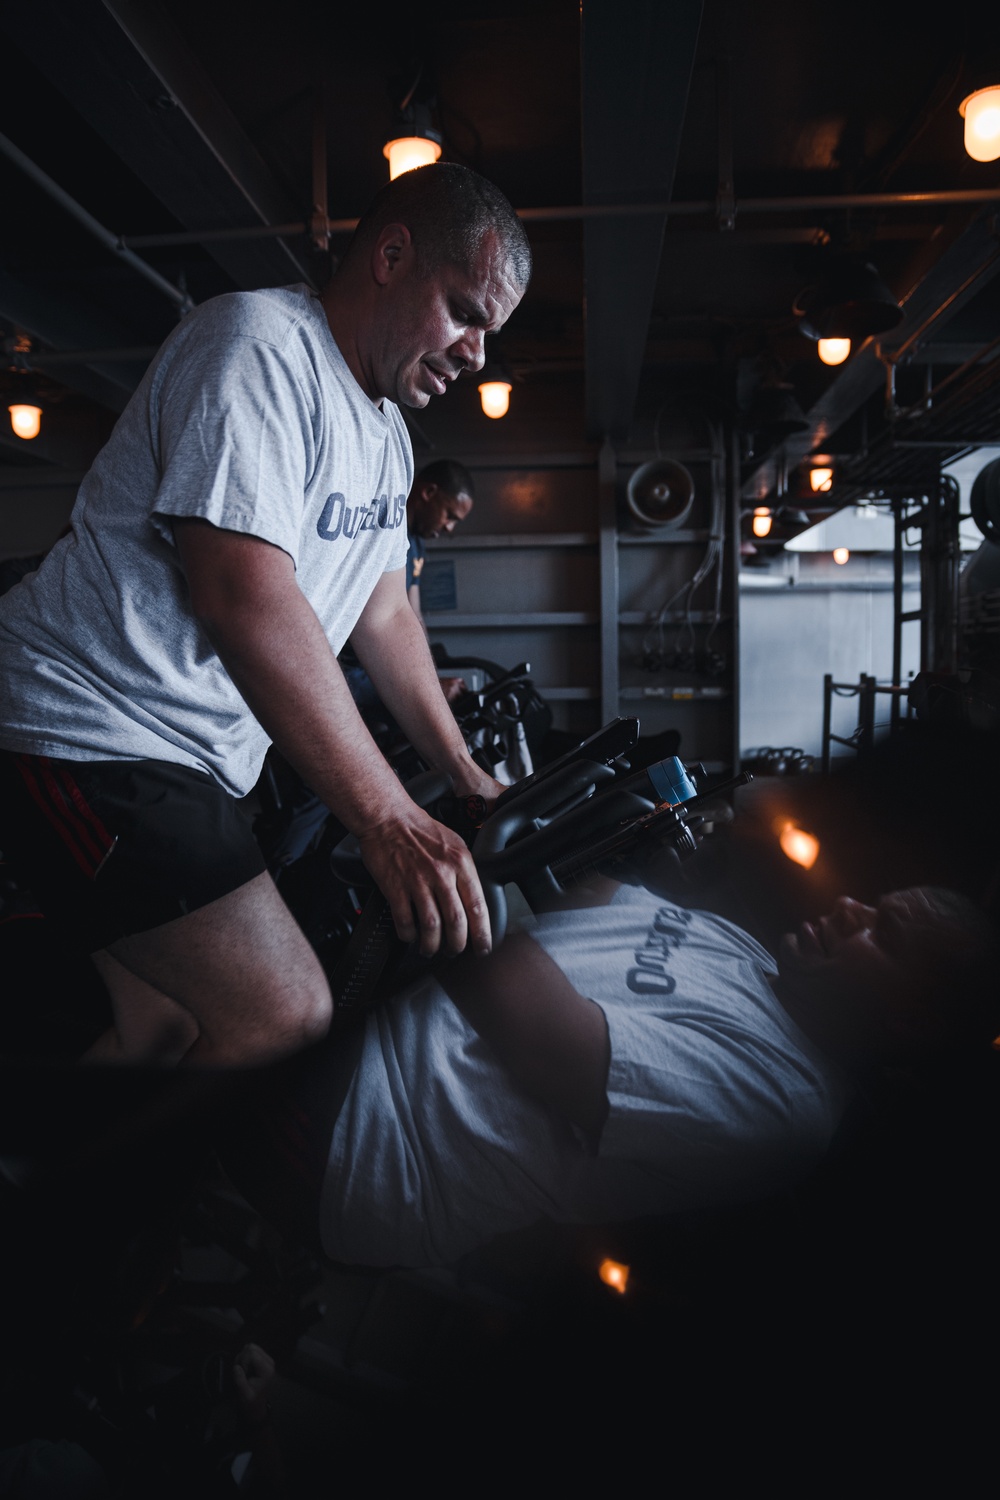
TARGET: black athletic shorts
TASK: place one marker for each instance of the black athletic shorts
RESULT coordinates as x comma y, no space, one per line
113,847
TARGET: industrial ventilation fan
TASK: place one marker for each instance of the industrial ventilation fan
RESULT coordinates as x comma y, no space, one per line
660,494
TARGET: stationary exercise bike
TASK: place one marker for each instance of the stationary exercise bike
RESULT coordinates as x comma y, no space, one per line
587,812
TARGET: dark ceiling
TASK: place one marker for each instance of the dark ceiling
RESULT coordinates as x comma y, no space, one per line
184,117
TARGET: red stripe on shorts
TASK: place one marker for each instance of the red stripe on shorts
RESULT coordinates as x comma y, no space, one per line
89,846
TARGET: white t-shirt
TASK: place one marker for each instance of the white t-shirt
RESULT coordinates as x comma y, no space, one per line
248,417
715,1097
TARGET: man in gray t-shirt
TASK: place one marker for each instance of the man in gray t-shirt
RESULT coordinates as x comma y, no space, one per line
246,517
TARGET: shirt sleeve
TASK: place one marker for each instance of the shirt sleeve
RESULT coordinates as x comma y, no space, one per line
234,440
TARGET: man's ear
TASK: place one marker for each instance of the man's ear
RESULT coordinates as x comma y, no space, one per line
428,490
392,249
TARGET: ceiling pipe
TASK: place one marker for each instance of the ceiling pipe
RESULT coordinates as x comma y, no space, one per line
690,208
110,241
962,270
42,359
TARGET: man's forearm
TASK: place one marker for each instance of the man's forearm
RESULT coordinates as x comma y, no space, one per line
245,595
394,652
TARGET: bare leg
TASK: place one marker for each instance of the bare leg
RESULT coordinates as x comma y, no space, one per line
148,1027
240,968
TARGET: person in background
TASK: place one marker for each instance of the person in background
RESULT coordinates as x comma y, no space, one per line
441,496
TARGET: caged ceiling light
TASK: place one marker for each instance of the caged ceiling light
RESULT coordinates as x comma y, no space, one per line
23,402
495,385
409,151
820,479
614,1274
848,304
415,142
981,113
762,521
25,419
833,351
800,847
495,397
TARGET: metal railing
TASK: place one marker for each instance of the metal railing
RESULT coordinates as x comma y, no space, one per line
866,690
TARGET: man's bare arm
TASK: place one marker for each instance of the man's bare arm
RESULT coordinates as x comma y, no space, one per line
392,647
550,1038
246,597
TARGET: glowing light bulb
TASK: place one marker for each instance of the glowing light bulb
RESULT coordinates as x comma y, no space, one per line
762,520
820,480
841,555
613,1274
981,113
834,351
25,419
800,847
409,151
495,396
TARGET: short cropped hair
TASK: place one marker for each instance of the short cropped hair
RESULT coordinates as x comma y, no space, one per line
952,953
449,475
448,210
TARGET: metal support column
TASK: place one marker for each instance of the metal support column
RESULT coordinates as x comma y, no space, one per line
939,568
731,479
608,561
866,714
897,608
827,708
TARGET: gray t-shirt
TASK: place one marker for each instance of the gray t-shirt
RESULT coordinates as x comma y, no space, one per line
250,418
715,1095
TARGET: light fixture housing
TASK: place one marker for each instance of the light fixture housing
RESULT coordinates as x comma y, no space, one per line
495,397
774,413
25,419
981,113
849,301
414,142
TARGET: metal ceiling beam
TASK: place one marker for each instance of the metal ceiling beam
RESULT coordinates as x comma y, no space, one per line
566,213
52,318
968,264
110,241
126,70
636,69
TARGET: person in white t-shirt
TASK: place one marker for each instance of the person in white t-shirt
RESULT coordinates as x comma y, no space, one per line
246,516
614,1062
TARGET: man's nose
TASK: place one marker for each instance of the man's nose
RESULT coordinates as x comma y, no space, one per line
852,913
471,349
